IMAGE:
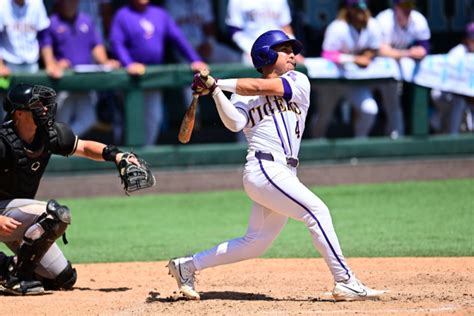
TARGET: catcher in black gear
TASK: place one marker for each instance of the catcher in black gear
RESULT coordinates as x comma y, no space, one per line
28,138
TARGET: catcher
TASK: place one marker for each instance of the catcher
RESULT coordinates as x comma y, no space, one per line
28,138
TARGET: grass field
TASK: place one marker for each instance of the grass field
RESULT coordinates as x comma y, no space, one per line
432,218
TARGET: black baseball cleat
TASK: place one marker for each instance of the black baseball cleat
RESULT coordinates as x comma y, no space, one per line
15,286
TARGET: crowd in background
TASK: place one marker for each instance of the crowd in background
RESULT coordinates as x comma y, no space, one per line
58,35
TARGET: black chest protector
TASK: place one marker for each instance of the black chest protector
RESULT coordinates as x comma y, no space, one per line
22,177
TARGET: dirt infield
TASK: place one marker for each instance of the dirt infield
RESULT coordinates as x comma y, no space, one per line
418,286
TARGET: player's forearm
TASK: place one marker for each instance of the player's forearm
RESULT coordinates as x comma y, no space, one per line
90,149
388,51
230,116
253,86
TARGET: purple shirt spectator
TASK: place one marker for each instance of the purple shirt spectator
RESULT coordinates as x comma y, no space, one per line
141,36
72,40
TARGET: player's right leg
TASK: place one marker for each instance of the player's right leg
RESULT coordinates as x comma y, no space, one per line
264,226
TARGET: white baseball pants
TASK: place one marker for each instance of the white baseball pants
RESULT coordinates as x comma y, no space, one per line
278,194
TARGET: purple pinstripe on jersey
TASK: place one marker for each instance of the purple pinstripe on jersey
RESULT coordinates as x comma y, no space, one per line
309,212
279,134
287,133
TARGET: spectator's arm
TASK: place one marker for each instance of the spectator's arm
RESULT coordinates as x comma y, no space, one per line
100,56
117,41
4,70
51,65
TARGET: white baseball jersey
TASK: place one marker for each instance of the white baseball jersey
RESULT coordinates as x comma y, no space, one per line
19,26
255,17
342,37
394,35
276,124
191,15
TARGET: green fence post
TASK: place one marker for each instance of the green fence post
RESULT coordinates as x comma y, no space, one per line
419,119
134,118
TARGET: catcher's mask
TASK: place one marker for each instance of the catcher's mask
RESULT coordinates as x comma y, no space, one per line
39,100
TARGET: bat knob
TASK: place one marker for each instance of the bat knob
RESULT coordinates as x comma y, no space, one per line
204,73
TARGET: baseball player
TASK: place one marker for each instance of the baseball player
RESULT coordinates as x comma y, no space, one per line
450,107
272,112
247,19
405,33
352,38
28,138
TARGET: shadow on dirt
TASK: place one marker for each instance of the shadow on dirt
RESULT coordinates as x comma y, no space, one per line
107,290
230,296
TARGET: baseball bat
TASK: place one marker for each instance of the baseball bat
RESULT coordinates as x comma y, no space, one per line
187,124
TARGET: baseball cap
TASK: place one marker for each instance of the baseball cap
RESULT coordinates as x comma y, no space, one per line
405,4
470,30
361,4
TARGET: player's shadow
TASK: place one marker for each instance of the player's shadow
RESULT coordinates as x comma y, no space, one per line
232,296
107,290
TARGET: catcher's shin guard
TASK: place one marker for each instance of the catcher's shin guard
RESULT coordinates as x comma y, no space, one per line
64,281
40,236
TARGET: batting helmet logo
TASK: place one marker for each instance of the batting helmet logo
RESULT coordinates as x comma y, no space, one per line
262,52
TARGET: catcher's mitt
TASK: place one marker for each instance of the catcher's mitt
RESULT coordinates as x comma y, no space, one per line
134,177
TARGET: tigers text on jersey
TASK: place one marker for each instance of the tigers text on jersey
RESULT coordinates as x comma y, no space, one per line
276,124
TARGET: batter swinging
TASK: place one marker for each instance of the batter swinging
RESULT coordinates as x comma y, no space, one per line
272,112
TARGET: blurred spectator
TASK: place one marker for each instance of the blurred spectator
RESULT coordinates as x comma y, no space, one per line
71,40
138,36
196,21
247,19
195,18
451,107
352,38
101,12
405,33
20,23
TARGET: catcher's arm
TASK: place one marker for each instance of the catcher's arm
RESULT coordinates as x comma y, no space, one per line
133,171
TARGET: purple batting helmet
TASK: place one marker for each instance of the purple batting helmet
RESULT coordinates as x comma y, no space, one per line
262,50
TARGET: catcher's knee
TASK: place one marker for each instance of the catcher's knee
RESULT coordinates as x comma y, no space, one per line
64,281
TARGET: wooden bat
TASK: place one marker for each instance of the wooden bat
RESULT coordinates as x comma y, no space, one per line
187,124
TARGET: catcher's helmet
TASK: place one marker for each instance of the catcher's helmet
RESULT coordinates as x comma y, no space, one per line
262,52
32,98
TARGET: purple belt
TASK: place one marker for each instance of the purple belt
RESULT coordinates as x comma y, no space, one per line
290,161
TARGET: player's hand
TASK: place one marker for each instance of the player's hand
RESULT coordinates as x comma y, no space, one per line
132,158
203,83
8,225
417,52
362,61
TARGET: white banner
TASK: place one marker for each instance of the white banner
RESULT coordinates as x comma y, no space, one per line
434,71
